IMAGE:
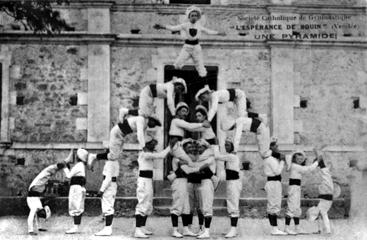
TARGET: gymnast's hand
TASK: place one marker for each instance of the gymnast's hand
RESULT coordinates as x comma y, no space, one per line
206,124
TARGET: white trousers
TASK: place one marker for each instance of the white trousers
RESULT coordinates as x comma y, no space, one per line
194,197
116,144
207,197
294,201
34,204
274,196
234,188
180,197
196,54
108,199
262,135
144,194
76,200
240,102
146,102
324,206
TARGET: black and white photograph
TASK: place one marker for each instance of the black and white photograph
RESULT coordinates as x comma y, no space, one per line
192,119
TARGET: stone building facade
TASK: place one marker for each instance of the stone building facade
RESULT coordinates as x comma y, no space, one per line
64,91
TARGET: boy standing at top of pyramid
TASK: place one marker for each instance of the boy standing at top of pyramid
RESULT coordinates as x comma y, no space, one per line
192,33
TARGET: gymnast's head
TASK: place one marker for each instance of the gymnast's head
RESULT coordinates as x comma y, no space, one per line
201,113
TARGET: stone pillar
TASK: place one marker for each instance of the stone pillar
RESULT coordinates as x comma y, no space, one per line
98,77
5,56
282,93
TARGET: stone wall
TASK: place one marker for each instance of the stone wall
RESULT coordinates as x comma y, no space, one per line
43,81
330,86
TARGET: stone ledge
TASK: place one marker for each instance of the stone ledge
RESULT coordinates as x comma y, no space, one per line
153,40
255,7
65,38
232,41
125,206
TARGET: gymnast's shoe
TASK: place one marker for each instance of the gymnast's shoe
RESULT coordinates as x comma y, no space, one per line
176,234
232,233
73,230
276,231
205,234
187,232
289,231
146,231
106,231
139,233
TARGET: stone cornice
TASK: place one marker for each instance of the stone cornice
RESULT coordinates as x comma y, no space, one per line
62,38
122,6
155,40
253,8
86,4
230,42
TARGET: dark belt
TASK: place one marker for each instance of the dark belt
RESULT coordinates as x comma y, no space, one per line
293,181
232,175
194,178
206,173
252,115
79,180
174,139
179,138
232,94
146,174
211,141
113,179
153,89
328,197
275,178
180,173
192,42
34,194
255,125
125,127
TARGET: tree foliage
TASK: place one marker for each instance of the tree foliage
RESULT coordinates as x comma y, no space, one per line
36,15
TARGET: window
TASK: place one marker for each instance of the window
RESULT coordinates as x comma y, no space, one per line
191,77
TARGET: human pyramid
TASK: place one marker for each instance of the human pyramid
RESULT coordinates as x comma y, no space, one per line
196,164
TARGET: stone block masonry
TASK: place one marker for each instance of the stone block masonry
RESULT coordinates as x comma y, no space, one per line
49,76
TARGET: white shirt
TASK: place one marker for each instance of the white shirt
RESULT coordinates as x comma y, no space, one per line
326,186
78,170
297,170
146,159
110,169
42,178
232,161
219,96
139,124
178,127
166,90
207,133
273,167
185,27
207,157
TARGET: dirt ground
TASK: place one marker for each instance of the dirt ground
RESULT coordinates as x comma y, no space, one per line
16,228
